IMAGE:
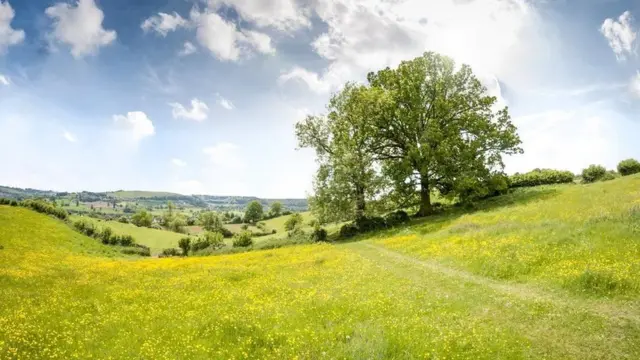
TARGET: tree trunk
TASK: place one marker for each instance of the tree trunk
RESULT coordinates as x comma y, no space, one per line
425,197
360,203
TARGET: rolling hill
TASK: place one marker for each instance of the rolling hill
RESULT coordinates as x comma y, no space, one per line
547,272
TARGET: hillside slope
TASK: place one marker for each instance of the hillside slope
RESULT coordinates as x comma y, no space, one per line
497,283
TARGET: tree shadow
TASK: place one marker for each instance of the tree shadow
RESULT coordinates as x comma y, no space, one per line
448,214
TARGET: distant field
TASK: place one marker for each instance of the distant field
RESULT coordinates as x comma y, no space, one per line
155,239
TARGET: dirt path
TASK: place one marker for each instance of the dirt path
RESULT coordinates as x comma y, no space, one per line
612,311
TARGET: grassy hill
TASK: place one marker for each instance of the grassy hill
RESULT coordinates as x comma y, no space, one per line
128,195
548,272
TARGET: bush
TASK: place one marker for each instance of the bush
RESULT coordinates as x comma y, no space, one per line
208,239
170,252
85,226
45,208
274,231
629,167
610,175
319,234
396,218
139,250
4,201
13,203
593,173
226,233
123,219
125,240
366,224
296,233
293,221
538,177
185,245
349,230
105,235
142,218
242,240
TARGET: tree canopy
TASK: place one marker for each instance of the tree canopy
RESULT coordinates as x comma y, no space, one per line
254,212
424,126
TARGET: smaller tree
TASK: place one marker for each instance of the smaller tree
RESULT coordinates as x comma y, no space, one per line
242,239
629,167
275,209
185,245
254,212
593,173
294,221
142,218
210,221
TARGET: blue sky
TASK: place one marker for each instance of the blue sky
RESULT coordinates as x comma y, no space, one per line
201,96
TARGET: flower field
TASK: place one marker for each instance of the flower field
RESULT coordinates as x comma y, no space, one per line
549,274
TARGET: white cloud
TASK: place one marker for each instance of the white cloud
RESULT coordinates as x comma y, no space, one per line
311,79
224,154
281,14
164,23
178,162
225,41
189,187
4,80
198,112
136,123
225,103
496,37
8,35
187,49
634,85
69,136
620,35
80,27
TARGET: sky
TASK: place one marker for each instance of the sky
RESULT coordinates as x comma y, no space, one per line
200,97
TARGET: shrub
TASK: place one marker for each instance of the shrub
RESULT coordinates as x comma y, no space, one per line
296,233
538,177
366,224
348,230
126,240
226,233
123,219
629,167
142,218
170,252
139,250
13,203
4,201
244,227
396,218
274,231
45,208
185,245
293,221
105,235
242,239
208,239
610,175
85,226
319,234
593,173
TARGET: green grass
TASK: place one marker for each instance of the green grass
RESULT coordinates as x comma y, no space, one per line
544,273
155,239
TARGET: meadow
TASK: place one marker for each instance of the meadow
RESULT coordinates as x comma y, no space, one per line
547,272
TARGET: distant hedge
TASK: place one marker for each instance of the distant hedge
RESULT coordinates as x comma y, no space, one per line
45,208
538,177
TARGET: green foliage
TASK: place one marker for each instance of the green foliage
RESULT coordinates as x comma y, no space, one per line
275,209
319,234
208,239
170,252
254,212
262,226
139,250
538,177
185,245
105,234
177,224
370,223
610,175
593,173
349,230
629,167
142,218
242,239
210,221
123,219
294,221
85,226
396,218
44,207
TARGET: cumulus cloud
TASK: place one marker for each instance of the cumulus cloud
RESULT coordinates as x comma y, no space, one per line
69,136
225,40
225,103
284,15
178,162
493,36
620,34
80,27
4,80
224,154
164,23
198,112
8,35
136,123
187,49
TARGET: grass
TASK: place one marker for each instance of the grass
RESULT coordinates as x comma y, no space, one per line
550,272
155,239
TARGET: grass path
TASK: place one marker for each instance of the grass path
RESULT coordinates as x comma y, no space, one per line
619,311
